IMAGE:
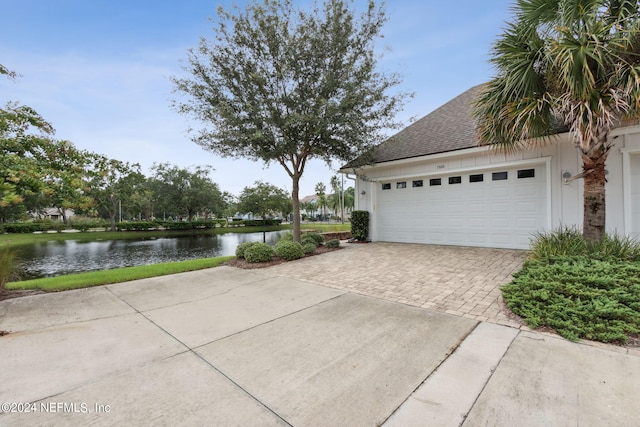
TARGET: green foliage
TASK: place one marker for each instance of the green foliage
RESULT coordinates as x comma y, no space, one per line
264,199
85,223
565,65
242,247
569,242
287,237
31,227
333,243
116,275
312,236
309,248
579,297
7,267
282,84
260,252
260,222
360,225
182,190
308,238
289,250
136,226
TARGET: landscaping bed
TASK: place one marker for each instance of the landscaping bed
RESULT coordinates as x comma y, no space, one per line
243,263
579,289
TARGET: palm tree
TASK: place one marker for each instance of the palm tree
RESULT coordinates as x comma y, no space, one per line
321,190
566,65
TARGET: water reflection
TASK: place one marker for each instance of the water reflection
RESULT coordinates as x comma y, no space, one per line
55,258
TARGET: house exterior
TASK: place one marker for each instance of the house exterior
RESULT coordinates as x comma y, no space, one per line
432,183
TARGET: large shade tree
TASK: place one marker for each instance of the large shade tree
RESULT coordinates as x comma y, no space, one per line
187,191
281,85
570,64
264,199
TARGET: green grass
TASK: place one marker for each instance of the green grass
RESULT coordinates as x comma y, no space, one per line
325,228
105,277
582,290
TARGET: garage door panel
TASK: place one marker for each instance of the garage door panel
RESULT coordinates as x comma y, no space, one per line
502,213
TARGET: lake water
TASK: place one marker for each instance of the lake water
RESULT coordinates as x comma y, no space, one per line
56,258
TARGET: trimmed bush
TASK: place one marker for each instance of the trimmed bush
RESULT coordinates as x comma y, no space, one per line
308,238
242,247
260,223
360,225
289,250
136,225
259,252
286,237
317,237
309,248
333,243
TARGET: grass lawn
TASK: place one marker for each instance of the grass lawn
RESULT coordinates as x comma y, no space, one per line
117,275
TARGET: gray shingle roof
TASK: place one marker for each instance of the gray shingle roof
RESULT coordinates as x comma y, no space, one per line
450,127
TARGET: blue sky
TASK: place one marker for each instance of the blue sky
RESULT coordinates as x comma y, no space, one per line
99,71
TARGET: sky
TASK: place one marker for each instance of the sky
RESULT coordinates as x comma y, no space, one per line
99,71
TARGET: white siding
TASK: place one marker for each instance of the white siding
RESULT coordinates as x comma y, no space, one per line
635,194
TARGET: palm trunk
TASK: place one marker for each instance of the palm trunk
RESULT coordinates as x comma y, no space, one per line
594,220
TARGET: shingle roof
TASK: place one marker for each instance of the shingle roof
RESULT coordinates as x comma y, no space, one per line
450,127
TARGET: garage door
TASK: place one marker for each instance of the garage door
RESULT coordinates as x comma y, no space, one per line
635,195
497,208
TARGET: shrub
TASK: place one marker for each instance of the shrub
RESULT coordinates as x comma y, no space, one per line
308,238
289,250
569,242
85,224
309,248
242,247
286,237
579,297
136,226
259,252
21,227
333,243
360,225
316,237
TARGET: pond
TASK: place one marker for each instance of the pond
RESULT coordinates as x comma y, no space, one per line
55,258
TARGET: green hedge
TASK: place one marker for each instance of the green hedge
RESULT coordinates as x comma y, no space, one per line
242,247
32,227
360,225
289,250
259,222
260,252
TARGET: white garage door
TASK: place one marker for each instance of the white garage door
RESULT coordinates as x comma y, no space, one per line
496,208
635,195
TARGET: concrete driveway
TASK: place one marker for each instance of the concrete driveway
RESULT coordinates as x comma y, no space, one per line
236,347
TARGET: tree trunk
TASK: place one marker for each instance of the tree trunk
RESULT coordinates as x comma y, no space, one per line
296,207
594,220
